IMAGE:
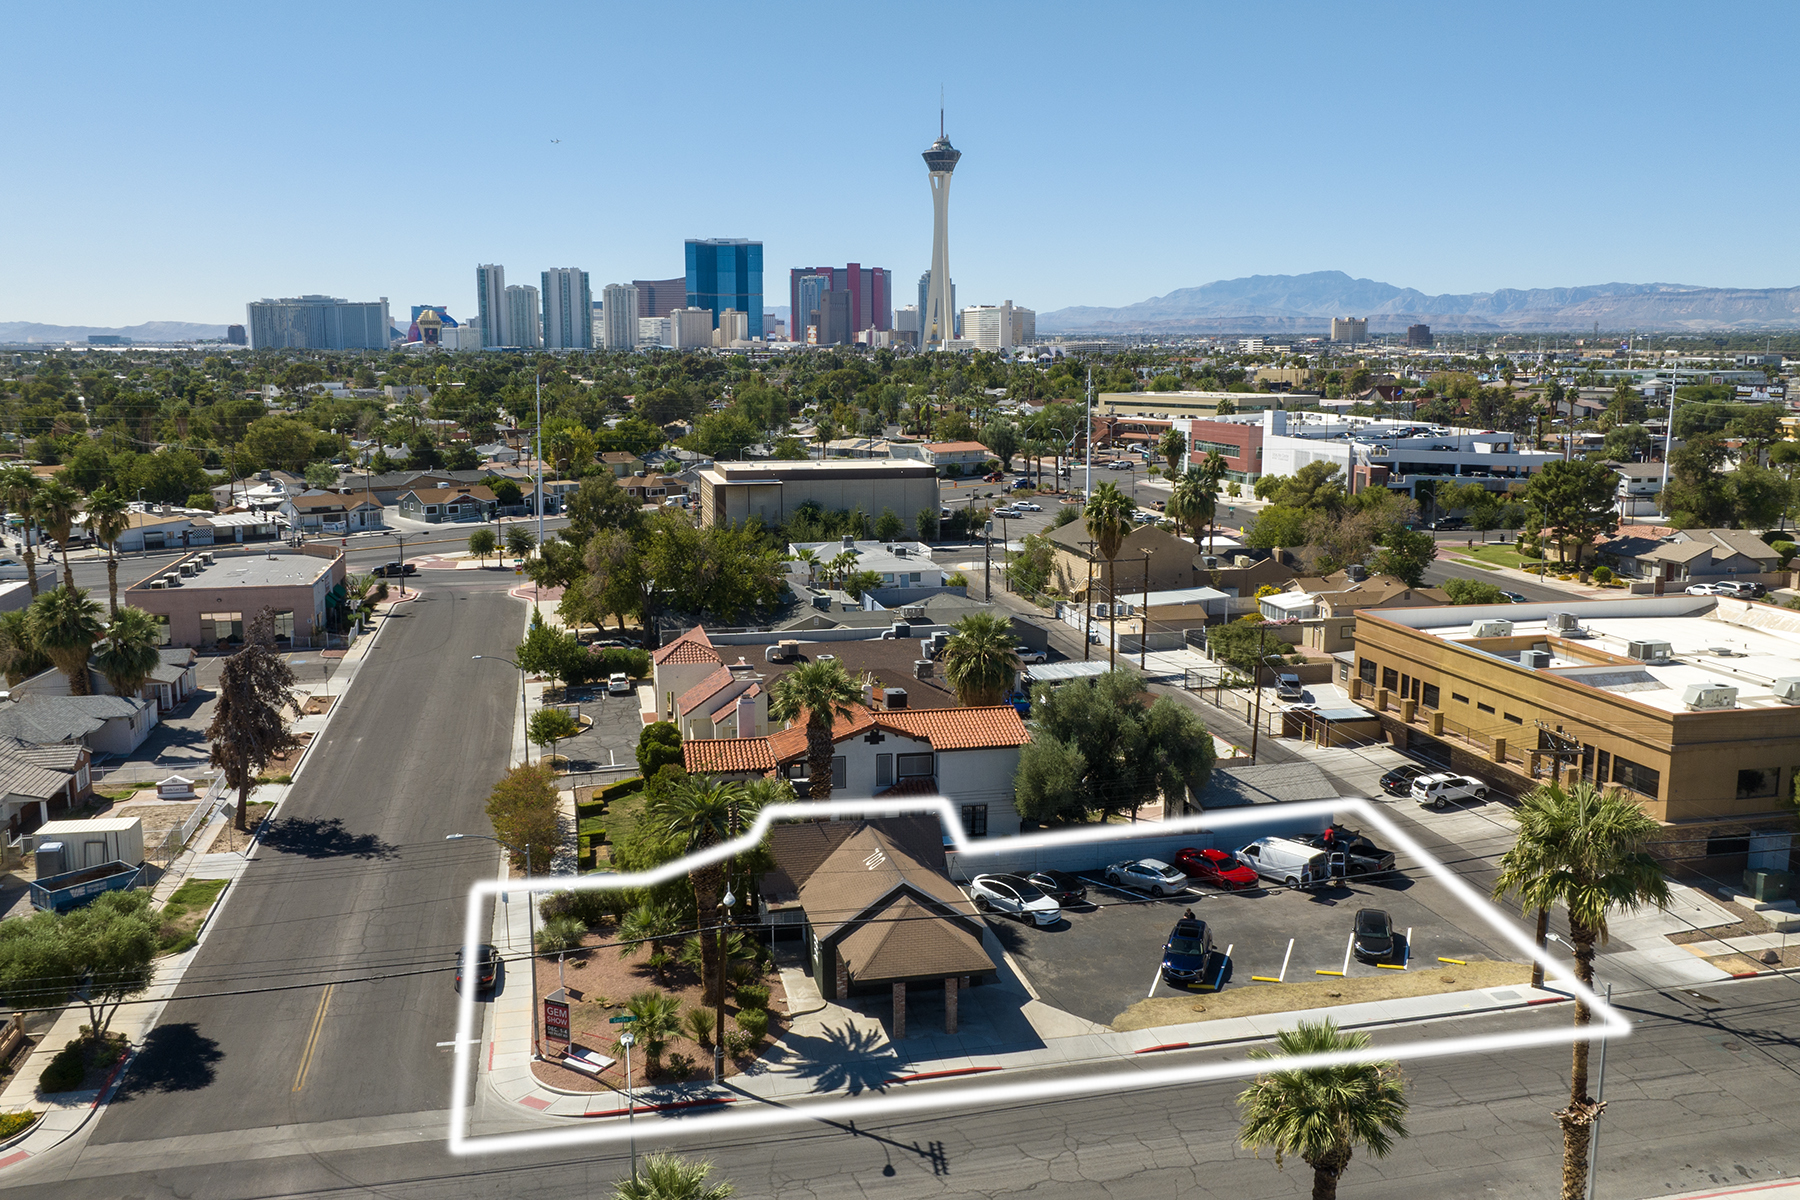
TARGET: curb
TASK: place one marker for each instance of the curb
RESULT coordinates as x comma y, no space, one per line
24,1133
671,1106
922,1076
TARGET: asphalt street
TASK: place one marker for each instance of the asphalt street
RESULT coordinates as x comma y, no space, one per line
353,879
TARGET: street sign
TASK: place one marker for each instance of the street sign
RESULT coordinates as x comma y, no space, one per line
621,1020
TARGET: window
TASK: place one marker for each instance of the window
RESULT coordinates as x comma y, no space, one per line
1727,845
840,773
1486,708
1390,679
1754,783
1346,632
912,765
163,636
284,625
221,627
1343,672
1513,719
1459,697
1430,695
884,770
974,818
1366,670
1640,779
431,509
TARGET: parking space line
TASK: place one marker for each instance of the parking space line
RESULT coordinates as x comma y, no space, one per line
1154,980
1284,961
1351,942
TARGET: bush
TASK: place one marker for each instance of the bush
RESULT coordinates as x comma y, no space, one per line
754,1022
67,1069
1785,550
680,1066
659,746
699,1023
1603,575
753,995
561,933
16,1122
635,663
738,1043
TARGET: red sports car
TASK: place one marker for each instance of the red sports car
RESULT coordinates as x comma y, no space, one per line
1216,867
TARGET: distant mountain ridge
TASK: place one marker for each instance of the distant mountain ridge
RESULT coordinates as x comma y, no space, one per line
1306,304
149,331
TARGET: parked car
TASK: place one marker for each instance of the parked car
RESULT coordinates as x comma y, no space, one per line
1027,655
1120,464
1287,687
995,477
1010,514
1150,875
1027,506
1373,937
394,570
1218,867
1161,506
611,644
1708,589
1060,886
1186,952
1516,597
943,514
1398,782
1285,861
1356,853
1441,791
487,969
618,684
1743,590
1019,485
1010,894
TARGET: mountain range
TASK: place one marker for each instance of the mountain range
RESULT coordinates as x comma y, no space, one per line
1305,304
155,332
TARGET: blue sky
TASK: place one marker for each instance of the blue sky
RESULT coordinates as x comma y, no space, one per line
173,162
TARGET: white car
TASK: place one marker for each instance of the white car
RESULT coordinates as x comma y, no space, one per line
1148,875
619,684
1443,790
1027,506
1709,589
1026,654
1012,895
1010,514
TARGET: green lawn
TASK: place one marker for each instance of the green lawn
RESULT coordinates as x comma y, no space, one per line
1498,555
187,908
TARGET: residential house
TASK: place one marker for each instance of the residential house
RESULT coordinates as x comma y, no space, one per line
622,463
679,666
1174,562
104,724
497,452
436,505
1693,556
1324,607
900,564
164,527
950,458
333,512
874,901
388,486
730,702
35,779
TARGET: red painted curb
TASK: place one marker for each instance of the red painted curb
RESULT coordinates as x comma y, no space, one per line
111,1078
1164,1046
942,1074
1747,974
679,1104
1546,1000
17,1156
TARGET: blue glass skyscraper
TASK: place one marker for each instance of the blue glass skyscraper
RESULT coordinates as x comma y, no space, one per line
726,273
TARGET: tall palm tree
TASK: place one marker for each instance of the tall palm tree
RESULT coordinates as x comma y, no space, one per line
1108,513
17,487
671,1177
1172,445
1321,1114
109,517
20,655
979,660
1584,849
810,560
126,656
703,812
1188,503
818,693
1212,469
57,505
65,625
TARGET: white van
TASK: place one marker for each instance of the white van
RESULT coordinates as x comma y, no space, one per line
1283,860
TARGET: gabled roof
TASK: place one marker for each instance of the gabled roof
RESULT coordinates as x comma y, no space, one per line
691,647
44,720
703,691
985,728
330,500
727,756
901,940
444,495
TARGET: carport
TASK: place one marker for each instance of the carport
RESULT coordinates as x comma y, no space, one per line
1331,725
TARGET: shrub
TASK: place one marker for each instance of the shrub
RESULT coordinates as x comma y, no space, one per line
16,1122
738,1043
1603,575
680,1066
754,1022
699,1024
561,933
67,1069
1785,550
753,995
634,662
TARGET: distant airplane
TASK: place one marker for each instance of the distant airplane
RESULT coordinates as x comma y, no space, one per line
556,141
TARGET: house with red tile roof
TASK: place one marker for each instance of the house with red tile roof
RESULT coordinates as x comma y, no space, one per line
679,666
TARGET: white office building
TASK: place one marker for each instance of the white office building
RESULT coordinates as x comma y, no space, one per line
490,304
523,324
999,326
653,332
619,317
568,309
690,328
734,326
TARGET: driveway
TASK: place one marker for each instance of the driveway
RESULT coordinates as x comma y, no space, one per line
613,738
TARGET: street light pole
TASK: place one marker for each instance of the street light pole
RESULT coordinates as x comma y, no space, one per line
625,1041
523,710
1144,618
1599,1103
719,1030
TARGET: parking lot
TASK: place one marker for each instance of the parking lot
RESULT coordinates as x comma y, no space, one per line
1106,956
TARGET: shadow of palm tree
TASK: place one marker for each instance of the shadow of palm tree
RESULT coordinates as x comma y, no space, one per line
314,837
847,1059
175,1058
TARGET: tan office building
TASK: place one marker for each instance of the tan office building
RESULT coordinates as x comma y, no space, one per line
207,605
732,492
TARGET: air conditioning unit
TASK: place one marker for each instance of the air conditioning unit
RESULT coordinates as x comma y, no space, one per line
157,585
1709,695
1102,610
1648,651
913,612
172,579
922,668
1242,560
1125,610
1490,629
1787,690
1534,660
1561,622
1210,561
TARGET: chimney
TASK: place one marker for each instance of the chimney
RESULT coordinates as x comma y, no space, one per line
746,715
868,690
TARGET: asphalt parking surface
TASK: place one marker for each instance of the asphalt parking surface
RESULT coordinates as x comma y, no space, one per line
612,739
1104,957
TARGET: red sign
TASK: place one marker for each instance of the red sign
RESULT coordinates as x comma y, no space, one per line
556,1019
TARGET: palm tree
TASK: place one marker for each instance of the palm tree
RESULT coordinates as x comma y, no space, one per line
20,655
1584,849
839,567
1321,1114
109,517
17,487
66,624
671,1177
1189,504
658,1017
702,813
57,505
126,656
818,693
1108,512
649,922
979,660
810,560
1172,445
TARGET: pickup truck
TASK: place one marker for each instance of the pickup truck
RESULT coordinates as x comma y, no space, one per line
1361,856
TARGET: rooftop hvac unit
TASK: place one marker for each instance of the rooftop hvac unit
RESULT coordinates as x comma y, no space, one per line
1102,610
1561,623
899,551
1648,651
1490,629
157,584
894,697
912,612
172,579
1210,561
1709,695
1787,690
1535,660
922,668
1125,610
1242,560
187,570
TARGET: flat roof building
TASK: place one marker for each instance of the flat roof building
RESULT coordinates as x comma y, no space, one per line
207,604
733,492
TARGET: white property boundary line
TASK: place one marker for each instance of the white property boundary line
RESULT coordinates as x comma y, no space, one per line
1046,1085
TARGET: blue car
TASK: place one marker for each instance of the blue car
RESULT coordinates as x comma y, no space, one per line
1186,952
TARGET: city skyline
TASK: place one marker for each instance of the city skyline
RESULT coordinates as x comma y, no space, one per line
1482,184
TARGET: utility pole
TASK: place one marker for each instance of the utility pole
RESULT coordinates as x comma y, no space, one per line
1144,618
987,561
540,458
1087,486
1087,599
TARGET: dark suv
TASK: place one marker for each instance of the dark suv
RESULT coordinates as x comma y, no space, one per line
394,570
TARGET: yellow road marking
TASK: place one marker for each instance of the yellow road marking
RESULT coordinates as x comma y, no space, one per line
312,1040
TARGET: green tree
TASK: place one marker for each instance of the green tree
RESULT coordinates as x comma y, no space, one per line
1322,1114
18,488
1193,500
108,518
321,475
278,443
65,624
1473,591
482,543
889,526
701,814
507,493
126,655
979,661
1108,521
1002,440
20,655
819,693
547,652
671,1177
657,1019
1315,487
549,726
1276,526
103,954
57,505
858,582
1105,722
600,503
1405,554
523,810
1181,754
520,541
1585,850
1050,785
1576,500
247,728
1029,572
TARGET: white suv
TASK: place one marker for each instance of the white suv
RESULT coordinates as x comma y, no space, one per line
1441,791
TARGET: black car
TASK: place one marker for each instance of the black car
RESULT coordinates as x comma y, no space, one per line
1060,886
1374,939
1398,782
394,570
489,960
1449,523
1186,952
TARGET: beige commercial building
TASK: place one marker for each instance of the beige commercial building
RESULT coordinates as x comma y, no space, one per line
210,604
732,492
